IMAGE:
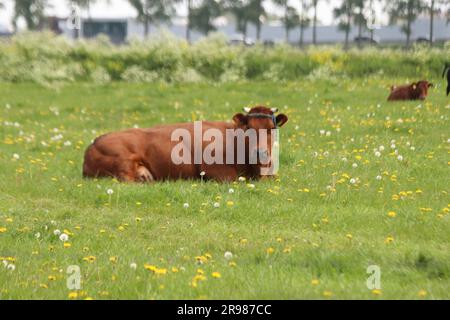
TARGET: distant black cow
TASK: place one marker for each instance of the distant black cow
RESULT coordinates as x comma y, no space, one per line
447,71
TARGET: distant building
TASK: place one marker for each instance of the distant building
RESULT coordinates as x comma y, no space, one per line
121,30
115,29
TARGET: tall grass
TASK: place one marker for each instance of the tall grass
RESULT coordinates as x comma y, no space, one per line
45,58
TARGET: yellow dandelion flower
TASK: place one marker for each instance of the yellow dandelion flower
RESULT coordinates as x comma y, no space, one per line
216,275
90,259
73,295
3,229
270,250
389,239
67,245
349,236
232,264
315,282
113,259
376,292
392,214
327,294
422,293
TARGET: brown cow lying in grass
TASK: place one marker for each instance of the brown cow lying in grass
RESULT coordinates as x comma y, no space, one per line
159,153
414,91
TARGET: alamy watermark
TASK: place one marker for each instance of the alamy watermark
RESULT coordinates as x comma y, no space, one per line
232,147
374,280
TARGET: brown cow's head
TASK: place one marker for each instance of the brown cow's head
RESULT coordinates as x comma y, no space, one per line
420,89
261,119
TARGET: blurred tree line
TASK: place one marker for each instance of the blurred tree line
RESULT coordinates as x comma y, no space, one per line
302,14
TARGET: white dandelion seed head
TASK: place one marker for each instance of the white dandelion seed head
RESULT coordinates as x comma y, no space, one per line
16,156
242,179
381,148
186,205
231,191
352,181
202,174
11,267
379,178
355,165
57,232
64,237
110,191
133,266
216,205
228,255
400,158
251,186
378,154
37,235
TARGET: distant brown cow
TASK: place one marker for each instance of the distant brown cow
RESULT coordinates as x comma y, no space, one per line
146,155
414,91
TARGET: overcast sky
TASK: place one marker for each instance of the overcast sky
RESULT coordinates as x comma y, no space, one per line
121,9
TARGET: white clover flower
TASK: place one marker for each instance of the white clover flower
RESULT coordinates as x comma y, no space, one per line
381,148
228,255
67,144
110,191
16,156
216,205
133,266
64,237
400,158
413,148
379,178
355,165
352,181
393,146
378,154
57,232
328,134
251,186
186,205
322,132
344,159
242,179
37,235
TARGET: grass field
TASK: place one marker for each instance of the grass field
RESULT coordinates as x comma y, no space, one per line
340,204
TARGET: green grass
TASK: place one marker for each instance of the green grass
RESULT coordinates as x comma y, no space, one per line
324,234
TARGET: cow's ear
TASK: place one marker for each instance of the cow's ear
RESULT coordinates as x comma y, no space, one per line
240,120
281,120
430,85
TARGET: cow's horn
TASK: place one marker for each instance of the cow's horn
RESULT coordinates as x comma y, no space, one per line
274,110
247,109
